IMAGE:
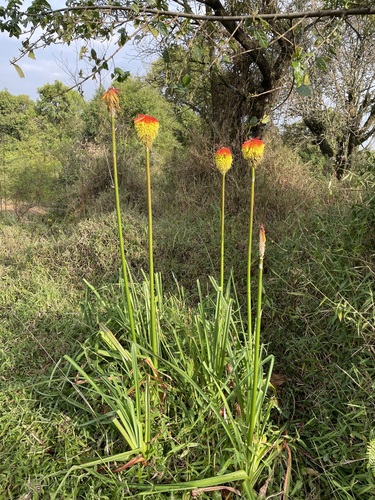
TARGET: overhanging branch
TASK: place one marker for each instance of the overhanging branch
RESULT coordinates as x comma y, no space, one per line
360,11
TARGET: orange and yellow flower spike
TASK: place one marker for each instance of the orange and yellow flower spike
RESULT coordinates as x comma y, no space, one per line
253,151
147,128
223,160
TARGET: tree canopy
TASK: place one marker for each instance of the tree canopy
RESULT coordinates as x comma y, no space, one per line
341,112
15,115
238,61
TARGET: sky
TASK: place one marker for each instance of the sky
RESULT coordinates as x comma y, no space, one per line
58,62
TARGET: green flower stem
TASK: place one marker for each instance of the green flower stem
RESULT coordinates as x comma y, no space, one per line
250,241
217,340
222,233
153,333
256,357
120,235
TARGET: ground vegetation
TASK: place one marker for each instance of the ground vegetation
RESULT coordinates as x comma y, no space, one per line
60,295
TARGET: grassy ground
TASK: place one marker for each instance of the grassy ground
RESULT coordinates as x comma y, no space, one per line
318,321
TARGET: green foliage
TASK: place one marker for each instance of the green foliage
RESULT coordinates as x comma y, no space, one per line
300,72
325,339
342,77
33,186
37,301
30,169
298,137
36,142
61,107
371,455
37,441
178,75
137,97
201,382
16,115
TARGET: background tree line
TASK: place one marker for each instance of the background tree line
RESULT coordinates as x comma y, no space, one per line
234,64
55,143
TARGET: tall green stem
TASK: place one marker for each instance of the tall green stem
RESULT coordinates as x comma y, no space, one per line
153,333
120,235
256,357
250,241
222,233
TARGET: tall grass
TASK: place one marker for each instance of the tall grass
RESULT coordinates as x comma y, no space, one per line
324,326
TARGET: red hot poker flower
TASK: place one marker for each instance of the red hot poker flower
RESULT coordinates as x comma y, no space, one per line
253,151
223,159
147,128
111,99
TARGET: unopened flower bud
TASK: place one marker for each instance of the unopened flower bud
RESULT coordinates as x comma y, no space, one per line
262,241
111,99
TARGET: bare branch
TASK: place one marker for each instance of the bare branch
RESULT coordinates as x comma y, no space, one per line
342,13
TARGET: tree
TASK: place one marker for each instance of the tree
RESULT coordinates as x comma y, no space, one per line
17,120
31,170
230,70
35,142
340,114
61,108
247,46
180,76
16,112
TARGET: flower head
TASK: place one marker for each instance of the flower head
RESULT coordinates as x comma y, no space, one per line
223,159
253,151
147,128
111,99
262,241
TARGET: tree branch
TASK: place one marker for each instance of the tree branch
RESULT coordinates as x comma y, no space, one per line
235,29
360,11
